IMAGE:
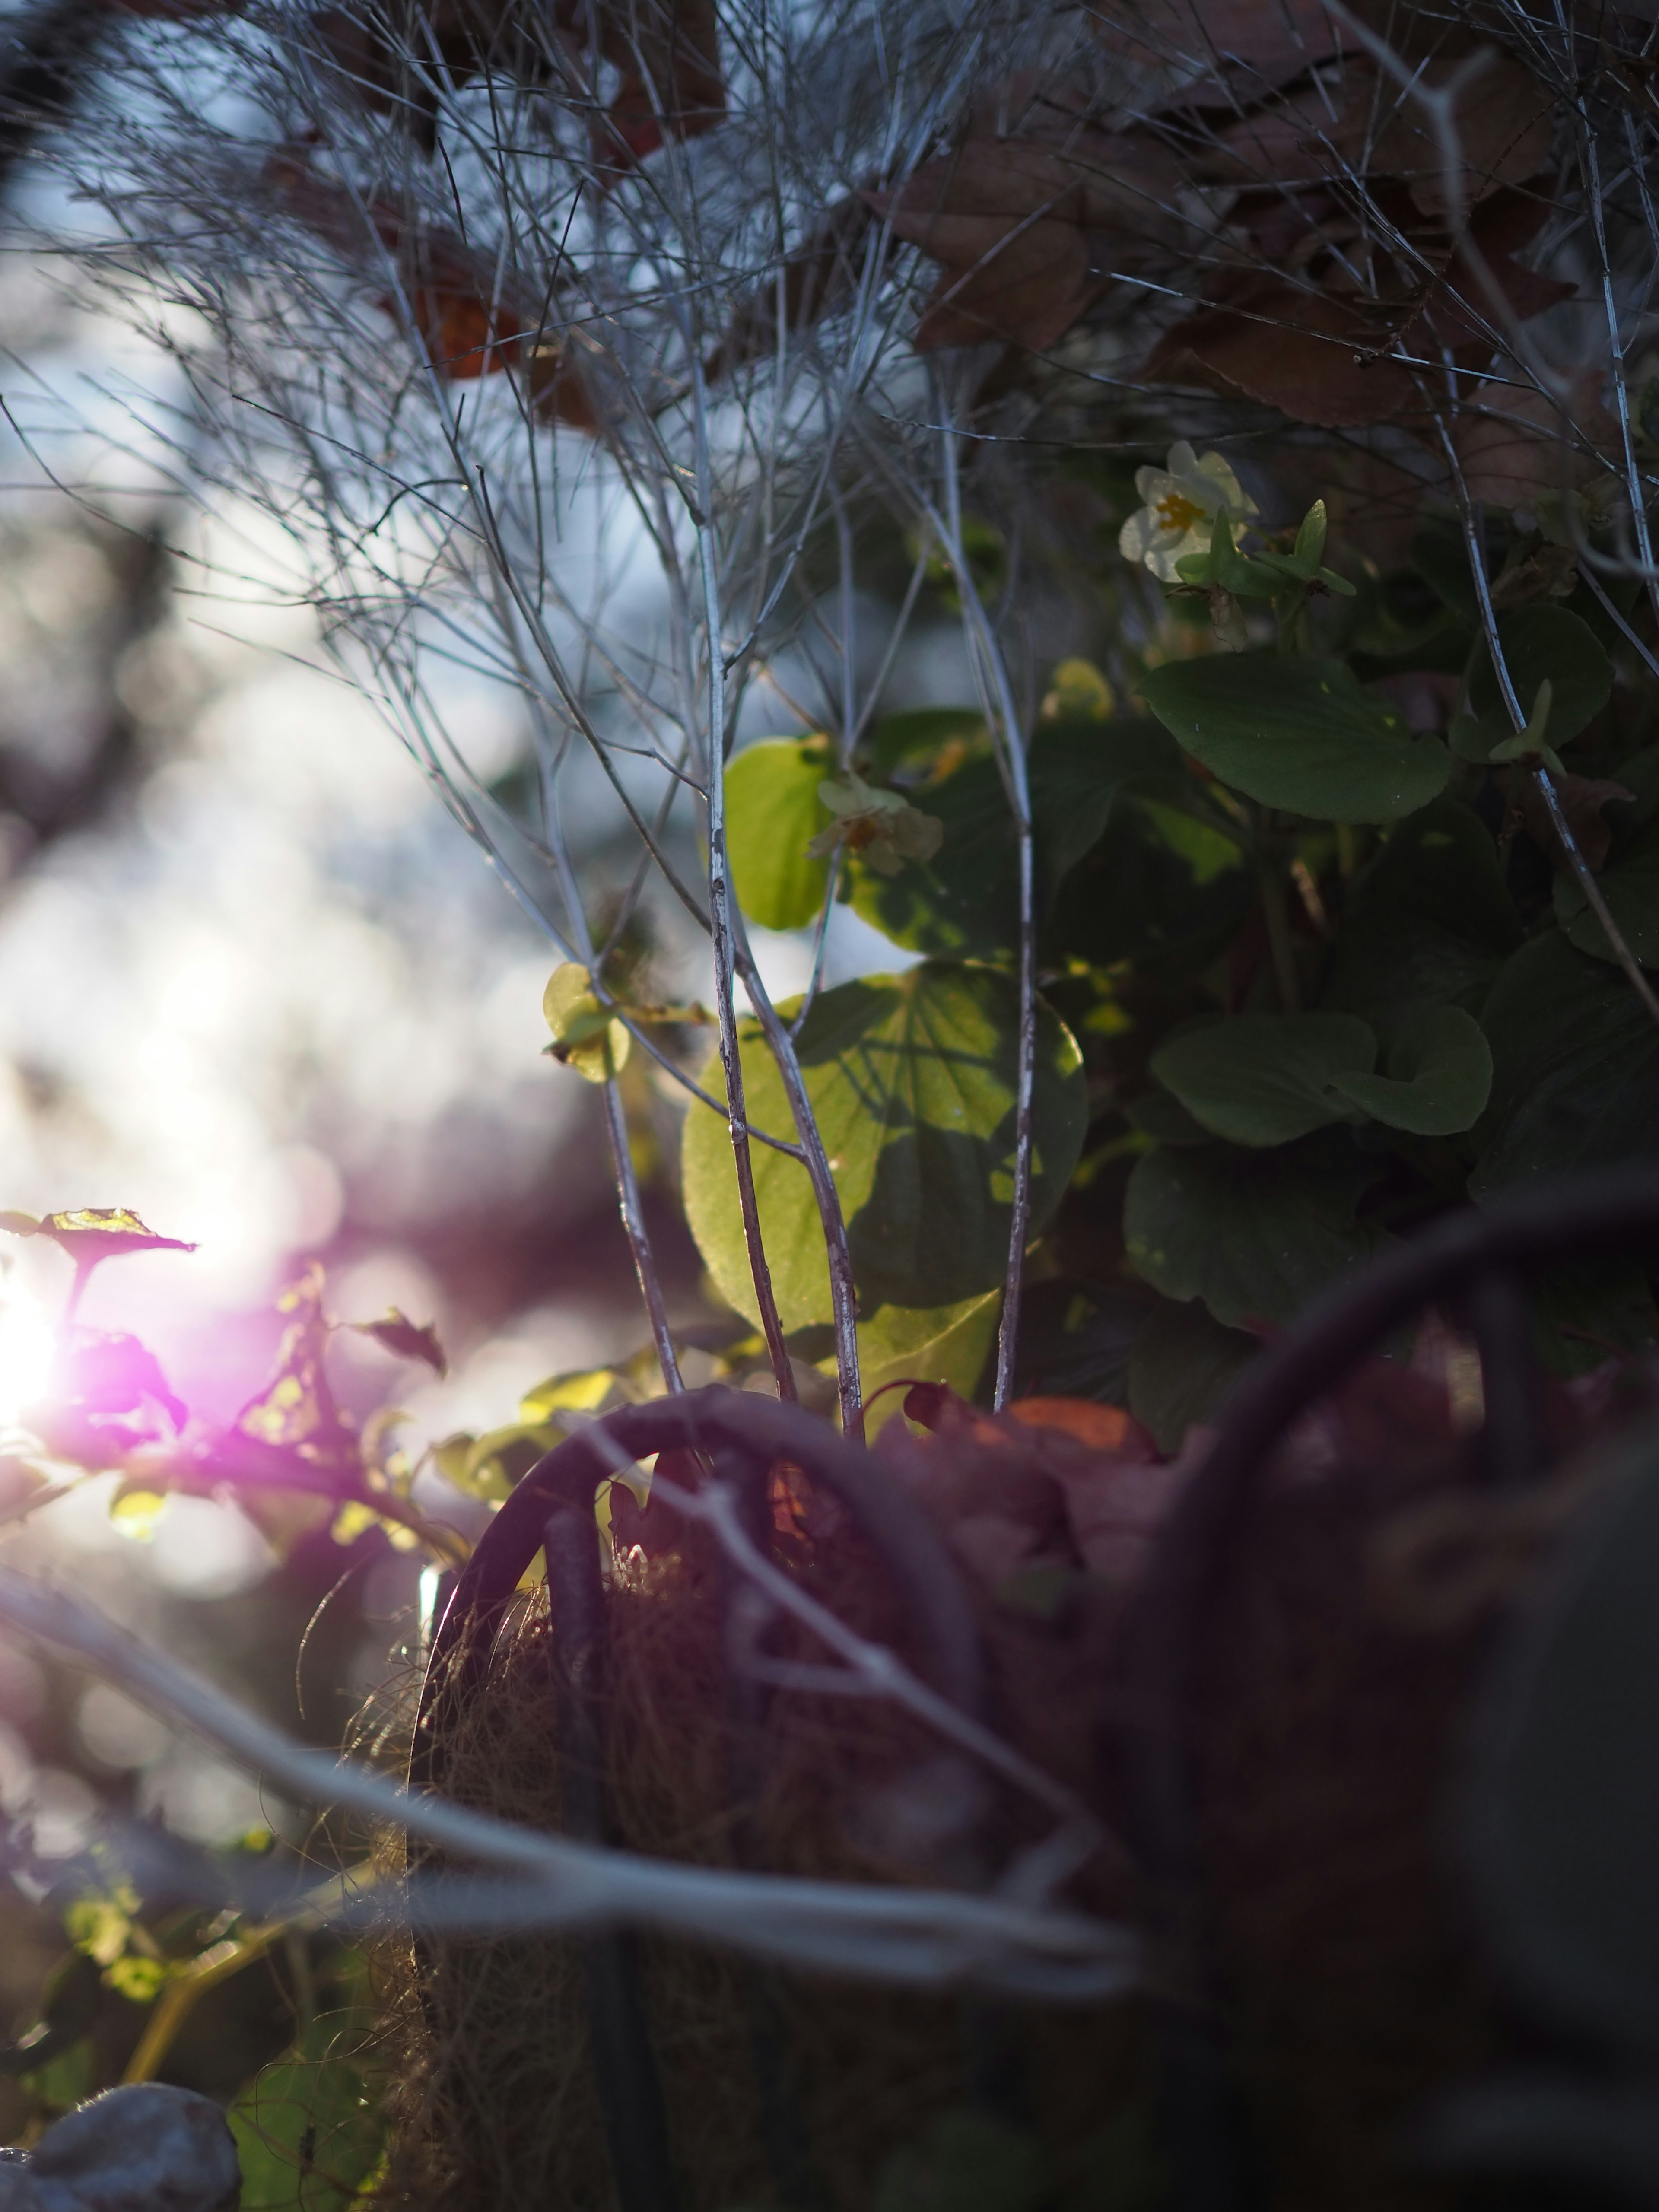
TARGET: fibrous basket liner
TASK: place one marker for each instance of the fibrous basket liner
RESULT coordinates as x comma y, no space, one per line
1340,1673
496,2104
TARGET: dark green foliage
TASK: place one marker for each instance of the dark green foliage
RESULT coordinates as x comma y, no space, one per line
1323,974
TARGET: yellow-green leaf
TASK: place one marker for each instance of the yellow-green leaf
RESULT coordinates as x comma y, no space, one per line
913,1079
584,1036
774,811
585,1392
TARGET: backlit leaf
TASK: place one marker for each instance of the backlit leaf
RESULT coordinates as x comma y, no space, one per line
91,1233
912,1079
585,1391
1298,734
585,1034
773,812
306,2131
948,1344
295,1411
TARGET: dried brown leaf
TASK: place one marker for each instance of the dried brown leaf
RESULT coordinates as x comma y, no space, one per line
1026,230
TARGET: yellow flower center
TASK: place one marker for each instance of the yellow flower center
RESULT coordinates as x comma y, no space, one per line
1176,513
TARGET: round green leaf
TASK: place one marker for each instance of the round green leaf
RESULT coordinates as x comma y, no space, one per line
1297,734
912,1079
1265,1078
1575,1067
1182,1365
1257,1235
1429,922
1631,887
773,812
964,903
1538,642
1439,1077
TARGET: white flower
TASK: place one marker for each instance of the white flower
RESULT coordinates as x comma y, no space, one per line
1182,503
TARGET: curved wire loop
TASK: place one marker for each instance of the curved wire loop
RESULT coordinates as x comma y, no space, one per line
1480,1260
552,1510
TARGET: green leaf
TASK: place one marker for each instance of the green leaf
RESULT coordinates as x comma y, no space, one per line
586,1037
1257,1235
1630,885
1438,1078
1074,1340
492,1466
1575,1068
1428,923
1182,1365
93,1233
948,1344
1163,884
1441,558
585,1391
405,1339
296,1407
1540,644
923,735
912,1079
773,812
1297,734
1265,1078
964,903
968,2162
305,2131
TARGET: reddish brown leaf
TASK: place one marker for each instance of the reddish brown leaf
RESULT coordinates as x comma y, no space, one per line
671,86
1582,797
1503,123
1514,443
1315,358
667,53
471,323
1027,231
1100,1428
1243,46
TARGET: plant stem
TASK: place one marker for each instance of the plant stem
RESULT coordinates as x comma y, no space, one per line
1547,791
1276,912
639,1241
721,917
